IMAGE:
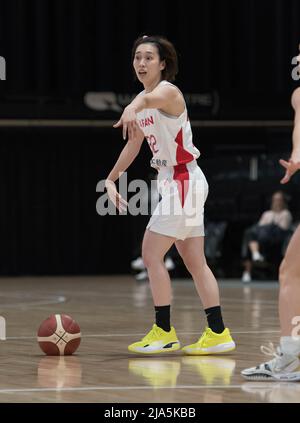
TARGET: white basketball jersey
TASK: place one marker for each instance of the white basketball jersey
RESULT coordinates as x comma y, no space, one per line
169,137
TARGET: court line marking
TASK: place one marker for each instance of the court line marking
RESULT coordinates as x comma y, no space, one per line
58,300
115,388
142,334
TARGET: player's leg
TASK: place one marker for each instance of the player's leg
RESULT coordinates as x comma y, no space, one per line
162,337
155,246
191,251
289,273
289,294
285,365
216,338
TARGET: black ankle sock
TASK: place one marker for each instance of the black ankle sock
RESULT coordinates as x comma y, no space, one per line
214,319
162,317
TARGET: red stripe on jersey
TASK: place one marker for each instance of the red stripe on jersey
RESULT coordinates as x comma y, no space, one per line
181,176
181,173
182,156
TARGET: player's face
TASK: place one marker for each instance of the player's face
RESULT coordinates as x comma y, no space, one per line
147,63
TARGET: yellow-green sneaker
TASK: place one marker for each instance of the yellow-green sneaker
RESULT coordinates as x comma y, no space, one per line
156,341
211,343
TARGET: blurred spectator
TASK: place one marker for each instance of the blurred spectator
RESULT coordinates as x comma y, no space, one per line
267,236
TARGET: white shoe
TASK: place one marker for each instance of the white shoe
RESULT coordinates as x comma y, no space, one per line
283,367
138,264
169,263
142,276
256,256
246,278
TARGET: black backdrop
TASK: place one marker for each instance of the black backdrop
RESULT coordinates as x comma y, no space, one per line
56,50
59,49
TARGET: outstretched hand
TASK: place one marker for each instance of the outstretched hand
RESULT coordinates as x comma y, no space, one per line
128,121
291,167
115,197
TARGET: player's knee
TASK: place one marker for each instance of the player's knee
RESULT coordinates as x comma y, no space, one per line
194,264
296,99
283,272
146,258
287,273
150,258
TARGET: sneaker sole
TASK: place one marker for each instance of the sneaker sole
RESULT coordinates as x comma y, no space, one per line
219,349
271,378
289,377
160,351
258,378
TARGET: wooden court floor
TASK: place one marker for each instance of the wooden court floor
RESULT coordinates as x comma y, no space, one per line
116,311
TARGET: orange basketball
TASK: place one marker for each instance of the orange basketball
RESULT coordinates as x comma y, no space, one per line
59,335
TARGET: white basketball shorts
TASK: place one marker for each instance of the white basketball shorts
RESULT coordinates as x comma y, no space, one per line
180,212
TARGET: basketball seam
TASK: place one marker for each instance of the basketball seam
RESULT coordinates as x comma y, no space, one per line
61,337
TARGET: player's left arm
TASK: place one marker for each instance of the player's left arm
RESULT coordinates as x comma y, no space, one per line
162,97
296,131
293,164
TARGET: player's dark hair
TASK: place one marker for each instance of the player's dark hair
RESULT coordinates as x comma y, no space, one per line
166,52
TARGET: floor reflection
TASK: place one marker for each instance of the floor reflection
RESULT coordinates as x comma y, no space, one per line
59,372
275,392
155,372
212,370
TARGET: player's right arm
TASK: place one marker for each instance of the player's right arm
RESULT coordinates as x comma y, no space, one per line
294,162
127,156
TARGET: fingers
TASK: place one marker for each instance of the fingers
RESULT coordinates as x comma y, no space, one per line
119,123
124,131
290,167
286,178
121,200
130,127
121,204
289,171
117,200
132,130
284,163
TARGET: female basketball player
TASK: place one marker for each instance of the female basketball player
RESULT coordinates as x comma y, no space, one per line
285,364
159,113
